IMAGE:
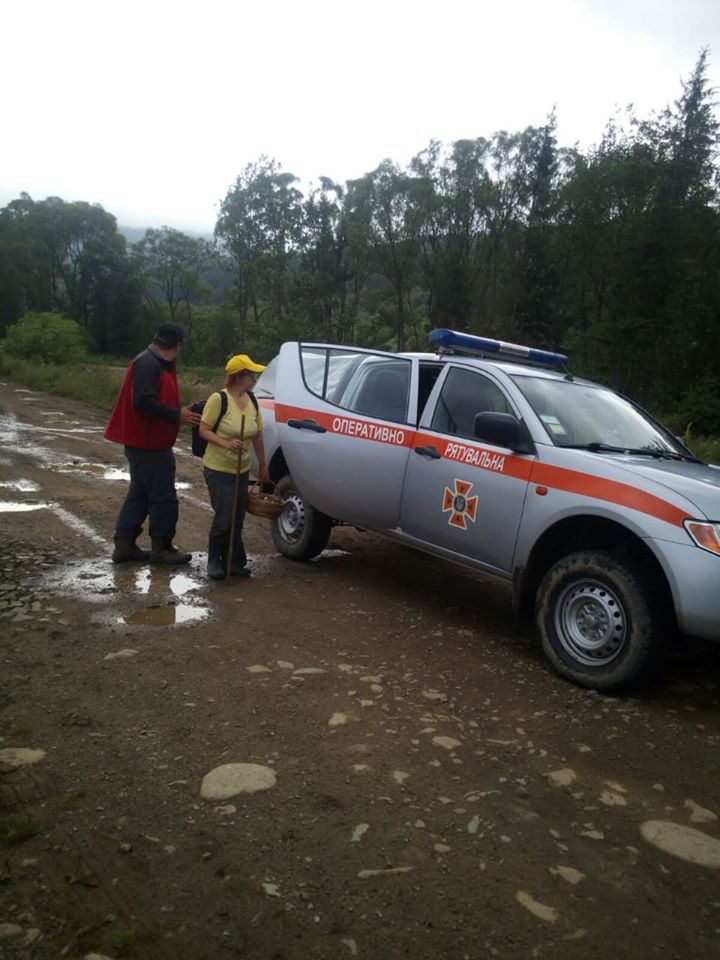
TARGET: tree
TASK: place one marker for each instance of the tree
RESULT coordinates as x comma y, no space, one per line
259,226
325,271
172,265
379,215
453,209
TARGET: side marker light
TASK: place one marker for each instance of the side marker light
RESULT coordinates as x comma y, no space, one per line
705,535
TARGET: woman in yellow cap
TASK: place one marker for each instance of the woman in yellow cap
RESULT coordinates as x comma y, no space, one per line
224,446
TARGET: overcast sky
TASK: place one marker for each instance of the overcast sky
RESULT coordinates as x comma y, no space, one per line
152,108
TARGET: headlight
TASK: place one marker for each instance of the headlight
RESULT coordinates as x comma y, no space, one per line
705,535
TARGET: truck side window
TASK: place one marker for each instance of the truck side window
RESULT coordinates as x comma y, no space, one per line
365,383
464,394
429,372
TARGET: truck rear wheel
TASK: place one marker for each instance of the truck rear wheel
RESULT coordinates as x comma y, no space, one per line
300,532
601,621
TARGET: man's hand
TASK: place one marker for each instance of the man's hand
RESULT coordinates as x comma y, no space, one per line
188,416
263,473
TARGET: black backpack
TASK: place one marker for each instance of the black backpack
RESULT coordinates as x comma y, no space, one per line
198,444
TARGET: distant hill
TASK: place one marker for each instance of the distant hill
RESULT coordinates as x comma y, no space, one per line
131,234
135,234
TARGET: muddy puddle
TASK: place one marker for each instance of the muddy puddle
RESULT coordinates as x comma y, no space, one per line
17,433
10,506
102,471
166,616
168,594
20,486
60,513
98,578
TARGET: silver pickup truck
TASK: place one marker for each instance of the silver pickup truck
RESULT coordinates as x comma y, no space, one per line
603,524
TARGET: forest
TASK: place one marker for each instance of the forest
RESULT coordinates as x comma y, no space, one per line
611,255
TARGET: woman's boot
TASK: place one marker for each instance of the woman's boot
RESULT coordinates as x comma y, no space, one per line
238,561
215,567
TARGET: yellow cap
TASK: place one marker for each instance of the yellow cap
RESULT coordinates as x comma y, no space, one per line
241,361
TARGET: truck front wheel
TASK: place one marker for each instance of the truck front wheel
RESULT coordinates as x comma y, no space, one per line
300,532
601,621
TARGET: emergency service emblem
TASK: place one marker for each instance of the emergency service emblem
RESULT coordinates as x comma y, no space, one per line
459,505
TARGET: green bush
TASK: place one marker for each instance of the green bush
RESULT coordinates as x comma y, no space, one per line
45,338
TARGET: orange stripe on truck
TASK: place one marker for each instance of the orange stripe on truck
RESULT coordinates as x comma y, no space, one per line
468,454
623,494
396,434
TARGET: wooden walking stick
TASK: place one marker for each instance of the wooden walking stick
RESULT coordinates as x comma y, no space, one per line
235,499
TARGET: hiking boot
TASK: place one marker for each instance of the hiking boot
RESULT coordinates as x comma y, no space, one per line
164,552
216,565
239,571
127,549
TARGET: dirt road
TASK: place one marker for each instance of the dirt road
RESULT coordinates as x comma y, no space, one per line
415,782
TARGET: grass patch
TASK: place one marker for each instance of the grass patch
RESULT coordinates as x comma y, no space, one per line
16,827
97,384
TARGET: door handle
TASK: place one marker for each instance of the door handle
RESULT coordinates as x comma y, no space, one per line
306,425
429,451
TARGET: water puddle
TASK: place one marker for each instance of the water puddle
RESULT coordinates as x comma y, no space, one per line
142,582
18,433
10,507
22,486
69,519
95,579
100,581
100,470
166,616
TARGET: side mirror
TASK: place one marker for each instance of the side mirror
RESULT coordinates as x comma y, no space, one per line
502,430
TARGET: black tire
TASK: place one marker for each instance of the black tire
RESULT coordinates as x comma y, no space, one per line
300,532
602,623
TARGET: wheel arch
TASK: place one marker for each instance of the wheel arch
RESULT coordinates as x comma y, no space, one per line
278,466
586,532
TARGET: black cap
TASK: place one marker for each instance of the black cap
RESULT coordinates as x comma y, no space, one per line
169,335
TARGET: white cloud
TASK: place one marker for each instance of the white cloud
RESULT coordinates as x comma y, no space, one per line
153,108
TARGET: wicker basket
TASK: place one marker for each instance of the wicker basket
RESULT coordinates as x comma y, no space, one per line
261,504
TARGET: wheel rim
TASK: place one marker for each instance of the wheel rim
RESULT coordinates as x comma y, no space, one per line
291,522
591,623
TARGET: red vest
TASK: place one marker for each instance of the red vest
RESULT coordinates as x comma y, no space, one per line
135,429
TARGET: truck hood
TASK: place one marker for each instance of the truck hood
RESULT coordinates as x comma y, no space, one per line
697,482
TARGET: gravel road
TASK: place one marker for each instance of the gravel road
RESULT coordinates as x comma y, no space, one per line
362,756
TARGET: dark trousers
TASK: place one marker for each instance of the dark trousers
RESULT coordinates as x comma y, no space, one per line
221,487
151,494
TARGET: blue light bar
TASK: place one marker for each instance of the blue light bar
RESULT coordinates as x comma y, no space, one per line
467,343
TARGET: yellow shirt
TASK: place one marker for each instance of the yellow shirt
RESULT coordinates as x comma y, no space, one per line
218,458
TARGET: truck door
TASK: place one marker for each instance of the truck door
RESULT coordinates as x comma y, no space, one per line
461,494
342,417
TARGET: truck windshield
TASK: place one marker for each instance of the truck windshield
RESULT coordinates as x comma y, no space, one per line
593,417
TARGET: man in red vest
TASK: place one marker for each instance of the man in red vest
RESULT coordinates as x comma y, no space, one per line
146,419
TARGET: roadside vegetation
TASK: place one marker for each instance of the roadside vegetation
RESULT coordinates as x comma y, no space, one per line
97,384
610,254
